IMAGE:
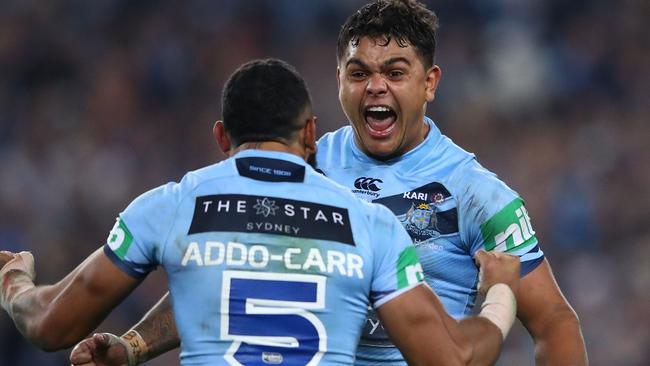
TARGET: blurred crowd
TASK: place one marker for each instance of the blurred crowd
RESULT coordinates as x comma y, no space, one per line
101,100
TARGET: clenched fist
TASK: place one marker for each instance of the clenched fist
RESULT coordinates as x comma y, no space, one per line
5,257
496,267
102,349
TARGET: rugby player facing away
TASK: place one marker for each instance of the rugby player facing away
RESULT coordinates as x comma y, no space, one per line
268,261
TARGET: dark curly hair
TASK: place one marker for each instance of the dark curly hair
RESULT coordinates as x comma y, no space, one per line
263,100
408,22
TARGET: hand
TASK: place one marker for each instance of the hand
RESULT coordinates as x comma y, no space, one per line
496,267
5,257
102,349
17,276
22,261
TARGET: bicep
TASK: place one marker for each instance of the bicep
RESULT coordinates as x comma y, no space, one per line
420,327
539,299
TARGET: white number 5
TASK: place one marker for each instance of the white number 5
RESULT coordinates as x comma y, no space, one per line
266,317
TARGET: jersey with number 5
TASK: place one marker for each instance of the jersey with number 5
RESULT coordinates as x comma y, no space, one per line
269,262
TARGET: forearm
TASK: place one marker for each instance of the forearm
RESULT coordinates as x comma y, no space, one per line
157,329
53,318
26,304
560,341
29,308
42,322
427,335
482,337
484,334
58,316
48,316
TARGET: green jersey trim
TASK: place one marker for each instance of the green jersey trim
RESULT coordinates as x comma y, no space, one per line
509,229
120,239
409,269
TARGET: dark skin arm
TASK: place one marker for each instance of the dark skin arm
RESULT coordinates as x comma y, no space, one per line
549,318
157,328
423,331
416,321
426,335
164,328
55,317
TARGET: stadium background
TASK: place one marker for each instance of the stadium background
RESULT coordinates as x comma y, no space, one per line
102,100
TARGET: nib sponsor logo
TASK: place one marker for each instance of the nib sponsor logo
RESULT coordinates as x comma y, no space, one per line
367,185
509,229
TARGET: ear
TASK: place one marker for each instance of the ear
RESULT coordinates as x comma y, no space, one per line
431,82
221,136
309,137
338,75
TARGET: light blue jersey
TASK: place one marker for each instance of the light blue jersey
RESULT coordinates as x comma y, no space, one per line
269,262
450,205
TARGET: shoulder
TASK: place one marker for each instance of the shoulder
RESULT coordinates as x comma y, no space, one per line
472,181
333,146
167,196
492,210
335,137
316,179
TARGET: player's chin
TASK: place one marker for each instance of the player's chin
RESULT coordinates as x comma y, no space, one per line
382,149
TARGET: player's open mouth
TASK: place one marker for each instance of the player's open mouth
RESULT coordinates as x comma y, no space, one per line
380,120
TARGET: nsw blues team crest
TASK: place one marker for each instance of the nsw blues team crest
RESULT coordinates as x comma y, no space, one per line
421,220
426,212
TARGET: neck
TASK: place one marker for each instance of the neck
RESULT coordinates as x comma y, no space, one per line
269,146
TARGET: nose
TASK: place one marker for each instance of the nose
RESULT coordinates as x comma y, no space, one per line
376,85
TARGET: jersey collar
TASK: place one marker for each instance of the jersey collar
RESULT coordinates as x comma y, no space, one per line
270,166
249,153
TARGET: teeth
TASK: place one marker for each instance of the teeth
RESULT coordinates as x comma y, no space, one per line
378,109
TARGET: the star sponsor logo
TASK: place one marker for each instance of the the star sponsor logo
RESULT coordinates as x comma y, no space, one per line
272,215
265,207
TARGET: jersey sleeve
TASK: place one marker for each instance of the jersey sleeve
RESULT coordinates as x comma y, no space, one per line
135,242
494,217
396,266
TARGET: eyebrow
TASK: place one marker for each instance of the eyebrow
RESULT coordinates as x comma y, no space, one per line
390,61
395,60
356,61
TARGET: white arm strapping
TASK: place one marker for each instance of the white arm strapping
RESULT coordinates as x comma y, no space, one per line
136,347
17,277
500,307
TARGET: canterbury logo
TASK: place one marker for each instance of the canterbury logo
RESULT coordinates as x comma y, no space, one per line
369,184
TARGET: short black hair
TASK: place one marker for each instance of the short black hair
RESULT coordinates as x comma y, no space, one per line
263,101
405,21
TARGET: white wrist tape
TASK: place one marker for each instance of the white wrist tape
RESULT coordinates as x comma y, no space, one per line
500,307
17,277
136,347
